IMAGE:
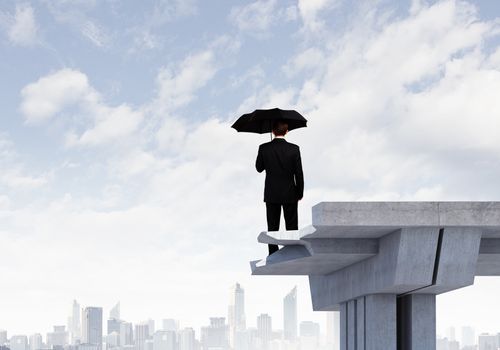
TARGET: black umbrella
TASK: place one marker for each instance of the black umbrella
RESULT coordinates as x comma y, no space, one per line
261,121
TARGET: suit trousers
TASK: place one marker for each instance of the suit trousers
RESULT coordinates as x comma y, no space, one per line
273,211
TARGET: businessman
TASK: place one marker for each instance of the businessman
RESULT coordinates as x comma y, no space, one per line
284,185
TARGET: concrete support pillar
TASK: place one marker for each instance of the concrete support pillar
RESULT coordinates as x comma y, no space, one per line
369,323
416,322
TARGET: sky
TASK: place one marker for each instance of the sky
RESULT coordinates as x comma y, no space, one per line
121,179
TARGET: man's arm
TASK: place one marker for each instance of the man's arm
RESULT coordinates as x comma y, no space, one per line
299,175
259,163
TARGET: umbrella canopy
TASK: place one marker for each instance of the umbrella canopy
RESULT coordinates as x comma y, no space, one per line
261,121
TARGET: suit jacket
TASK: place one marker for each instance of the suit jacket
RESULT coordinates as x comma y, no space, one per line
283,166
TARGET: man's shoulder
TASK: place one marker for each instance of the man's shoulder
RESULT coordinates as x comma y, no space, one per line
265,145
292,145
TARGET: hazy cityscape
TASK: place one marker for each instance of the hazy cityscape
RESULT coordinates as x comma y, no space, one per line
88,329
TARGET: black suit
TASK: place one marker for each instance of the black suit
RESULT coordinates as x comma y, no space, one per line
284,184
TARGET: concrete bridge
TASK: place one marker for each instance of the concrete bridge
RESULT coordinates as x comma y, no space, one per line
381,264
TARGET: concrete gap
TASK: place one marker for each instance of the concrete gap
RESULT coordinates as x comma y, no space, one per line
436,266
403,322
364,323
356,324
438,255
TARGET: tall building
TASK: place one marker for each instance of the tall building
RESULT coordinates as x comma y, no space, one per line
92,326
74,325
264,330
114,325
450,334
164,340
453,345
468,336
141,335
151,327
18,342
333,329
169,324
57,338
112,340
126,334
187,340
114,313
215,335
309,335
487,342
236,314
290,315
3,337
35,341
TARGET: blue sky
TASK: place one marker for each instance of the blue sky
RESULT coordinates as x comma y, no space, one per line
122,180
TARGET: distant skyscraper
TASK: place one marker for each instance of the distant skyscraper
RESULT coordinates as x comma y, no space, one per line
215,335
35,341
3,337
141,335
149,344
290,315
151,327
309,329
126,334
309,335
169,324
264,330
92,326
487,342
115,312
18,342
112,340
164,340
236,313
74,325
468,336
333,329
450,333
442,344
453,345
114,325
187,340
57,338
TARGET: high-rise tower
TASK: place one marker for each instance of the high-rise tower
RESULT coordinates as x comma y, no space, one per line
74,325
92,326
236,314
290,315
114,313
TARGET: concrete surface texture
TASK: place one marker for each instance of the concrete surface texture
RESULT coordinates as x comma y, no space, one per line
382,263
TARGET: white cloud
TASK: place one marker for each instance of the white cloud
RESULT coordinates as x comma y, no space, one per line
52,94
109,124
306,61
311,9
256,16
14,175
47,96
176,86
23,29
95,33
4,202
76,15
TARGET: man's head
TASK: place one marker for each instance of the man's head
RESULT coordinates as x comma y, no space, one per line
280,128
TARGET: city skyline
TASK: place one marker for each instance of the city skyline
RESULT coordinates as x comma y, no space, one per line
93,331
468,338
